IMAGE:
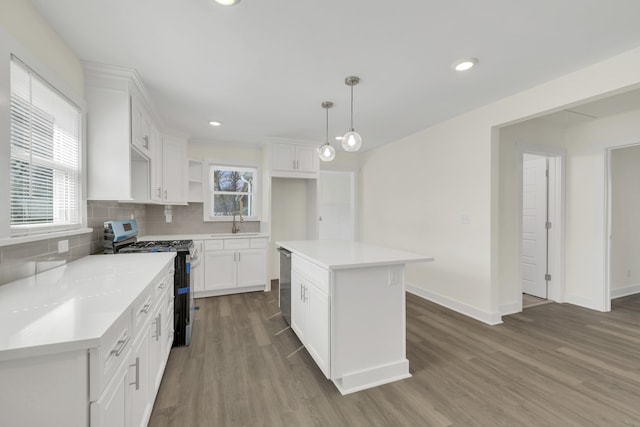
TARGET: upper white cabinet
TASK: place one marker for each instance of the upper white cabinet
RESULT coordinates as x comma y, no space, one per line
169,171
128,159
141,129
290,160
117,169
196,181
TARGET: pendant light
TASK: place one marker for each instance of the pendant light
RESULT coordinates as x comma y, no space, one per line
351,141
326,151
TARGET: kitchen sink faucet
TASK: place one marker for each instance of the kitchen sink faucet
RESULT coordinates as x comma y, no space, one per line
235,227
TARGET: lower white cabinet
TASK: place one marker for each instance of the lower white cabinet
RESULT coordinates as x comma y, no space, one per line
112,408
233,265
139,382
310,317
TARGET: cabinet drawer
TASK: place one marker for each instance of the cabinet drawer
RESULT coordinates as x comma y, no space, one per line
258,243
163,284
141,310
315,274
237,243
213,245
105,360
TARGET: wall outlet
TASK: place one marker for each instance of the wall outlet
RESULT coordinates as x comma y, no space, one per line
465,218
63,246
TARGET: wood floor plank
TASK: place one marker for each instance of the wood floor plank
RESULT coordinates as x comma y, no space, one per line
552,365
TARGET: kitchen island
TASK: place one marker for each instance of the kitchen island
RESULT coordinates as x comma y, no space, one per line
348,309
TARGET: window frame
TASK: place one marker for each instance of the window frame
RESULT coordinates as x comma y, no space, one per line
208,207
9,47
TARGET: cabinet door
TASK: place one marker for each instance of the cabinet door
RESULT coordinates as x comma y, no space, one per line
141,403
251,267
317,337
173,167
156,348
111,409
140,129
219,270
299,307
198,272
156,167
306,159
284,156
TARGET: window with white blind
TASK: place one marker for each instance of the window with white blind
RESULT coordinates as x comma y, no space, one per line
45,156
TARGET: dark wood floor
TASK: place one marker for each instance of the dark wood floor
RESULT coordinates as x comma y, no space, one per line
554,365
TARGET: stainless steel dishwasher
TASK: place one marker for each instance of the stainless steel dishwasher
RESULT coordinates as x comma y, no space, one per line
285,284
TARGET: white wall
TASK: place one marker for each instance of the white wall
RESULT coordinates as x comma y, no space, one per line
415,190
26,25
288,215
625,220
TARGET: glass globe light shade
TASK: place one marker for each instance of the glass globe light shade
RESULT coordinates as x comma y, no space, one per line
351,141
326,152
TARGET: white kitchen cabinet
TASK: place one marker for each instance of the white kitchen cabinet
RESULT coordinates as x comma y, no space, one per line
141,129
118,158
196,182
310,318
139,382
299,310
234,265
198,271
104,380
169,171
220,270
112,408
294,160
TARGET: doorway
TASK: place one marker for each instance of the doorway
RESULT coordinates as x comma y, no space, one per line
337,212
623,224
540,225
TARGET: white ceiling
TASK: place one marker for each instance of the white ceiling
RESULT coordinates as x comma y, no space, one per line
263,67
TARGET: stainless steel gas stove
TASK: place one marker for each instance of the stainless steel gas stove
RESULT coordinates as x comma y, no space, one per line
120,237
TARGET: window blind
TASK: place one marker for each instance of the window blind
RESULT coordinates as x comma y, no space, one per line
45,155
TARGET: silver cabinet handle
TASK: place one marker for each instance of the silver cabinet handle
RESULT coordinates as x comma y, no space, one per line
120,345
165,194
146,308
157,322
294,164
301,293
137,366
239,256
146,141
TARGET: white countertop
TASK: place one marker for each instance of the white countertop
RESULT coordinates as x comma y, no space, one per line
72,306
340,254
208,236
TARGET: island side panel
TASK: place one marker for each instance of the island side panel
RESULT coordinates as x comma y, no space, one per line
368,327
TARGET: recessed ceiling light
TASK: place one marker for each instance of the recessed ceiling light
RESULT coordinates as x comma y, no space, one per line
465,64
214,123
227,2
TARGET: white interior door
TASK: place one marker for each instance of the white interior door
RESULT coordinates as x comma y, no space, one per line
337,205
534,231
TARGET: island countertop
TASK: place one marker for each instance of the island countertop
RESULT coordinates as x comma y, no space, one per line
341,254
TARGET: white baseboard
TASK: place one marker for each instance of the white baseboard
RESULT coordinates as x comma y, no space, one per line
460,307
511,308
627,290
582,302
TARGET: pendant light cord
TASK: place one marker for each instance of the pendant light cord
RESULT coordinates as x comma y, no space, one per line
351,106
327,129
